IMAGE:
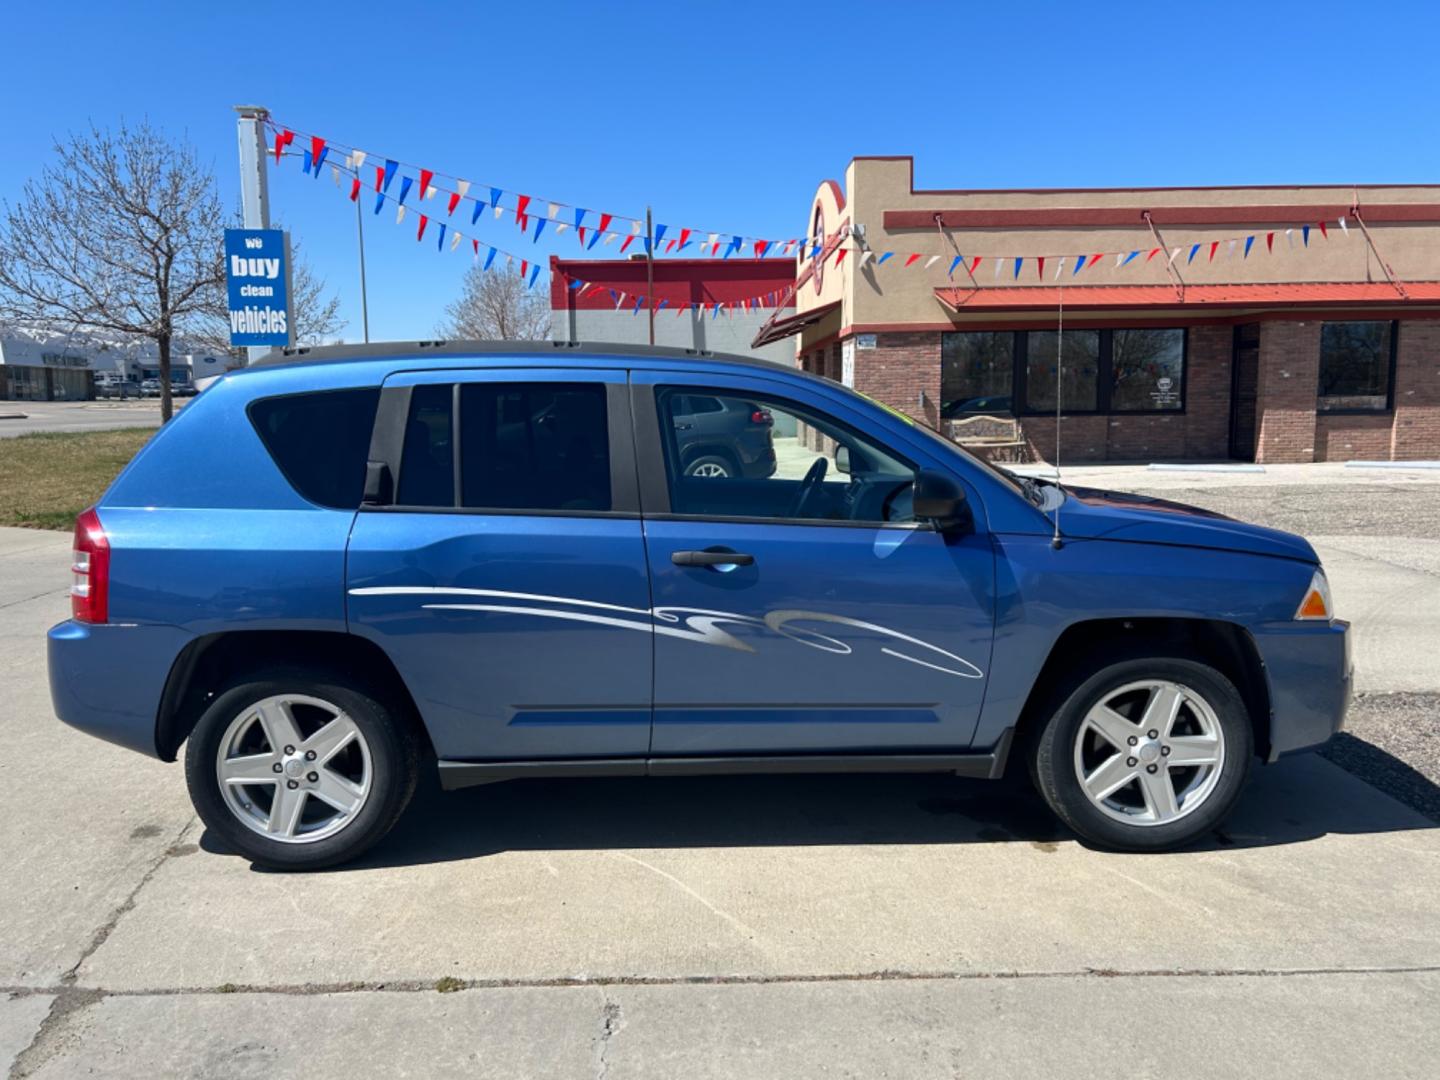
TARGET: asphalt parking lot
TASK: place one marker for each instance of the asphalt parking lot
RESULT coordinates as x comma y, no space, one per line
792,926
24,417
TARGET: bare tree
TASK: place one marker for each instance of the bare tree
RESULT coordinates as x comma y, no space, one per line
119,234
497,306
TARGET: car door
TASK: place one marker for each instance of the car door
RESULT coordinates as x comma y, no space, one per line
501,565
799,607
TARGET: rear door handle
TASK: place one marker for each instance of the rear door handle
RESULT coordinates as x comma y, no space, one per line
711,558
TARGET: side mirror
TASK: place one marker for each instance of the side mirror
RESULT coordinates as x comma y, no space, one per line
940,498
842,460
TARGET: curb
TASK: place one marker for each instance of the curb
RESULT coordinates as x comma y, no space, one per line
1392,464
14,416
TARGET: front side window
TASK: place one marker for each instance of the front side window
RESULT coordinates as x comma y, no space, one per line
976,374
737,455
427,464
320,441
1080,378
1355,364
1147,369
534,446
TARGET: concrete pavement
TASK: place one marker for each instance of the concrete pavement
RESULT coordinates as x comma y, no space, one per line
22,417
915,926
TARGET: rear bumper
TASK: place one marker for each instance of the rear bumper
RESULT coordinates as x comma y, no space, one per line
107,681
1309,672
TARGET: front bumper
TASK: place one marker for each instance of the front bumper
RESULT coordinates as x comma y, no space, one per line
1309,673
107,680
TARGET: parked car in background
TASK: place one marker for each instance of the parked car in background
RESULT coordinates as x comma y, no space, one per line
111,384
183,389
344,561
149,387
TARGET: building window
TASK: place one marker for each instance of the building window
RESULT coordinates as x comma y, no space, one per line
1357,361
1080,380
1147,370
976,374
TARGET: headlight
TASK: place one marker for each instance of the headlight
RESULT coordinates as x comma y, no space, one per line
1316,604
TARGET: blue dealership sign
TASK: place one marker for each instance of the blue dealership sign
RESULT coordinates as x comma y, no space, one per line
257,276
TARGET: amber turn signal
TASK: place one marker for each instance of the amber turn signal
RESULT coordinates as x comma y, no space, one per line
1316,604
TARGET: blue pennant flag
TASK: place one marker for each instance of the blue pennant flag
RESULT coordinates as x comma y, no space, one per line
305,163
659,234
379,200
534,273
1079,262
324,152
882,258
615,297
639,302
954,263
1248,241
539,228
440,240
1305,234
1193,250
662,305
576,283
715,312
1129,257
734,246
490,258
1018,261
594,239
579,216
815,252
390,167
479,208
405,183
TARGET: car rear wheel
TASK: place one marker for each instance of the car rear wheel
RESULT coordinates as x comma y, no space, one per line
1144,754
296,771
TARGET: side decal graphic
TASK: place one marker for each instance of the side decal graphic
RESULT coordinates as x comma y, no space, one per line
700,625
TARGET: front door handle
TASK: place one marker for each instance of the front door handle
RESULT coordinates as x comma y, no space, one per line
711,557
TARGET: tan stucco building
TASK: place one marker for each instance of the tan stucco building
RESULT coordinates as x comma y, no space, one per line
1254,323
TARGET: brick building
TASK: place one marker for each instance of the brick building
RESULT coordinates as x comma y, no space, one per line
1306,344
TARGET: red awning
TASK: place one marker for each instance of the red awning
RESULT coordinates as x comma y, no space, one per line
1110,297
782,327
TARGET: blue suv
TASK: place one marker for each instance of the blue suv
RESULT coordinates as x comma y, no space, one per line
342,562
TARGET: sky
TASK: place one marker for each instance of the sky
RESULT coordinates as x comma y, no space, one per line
727,116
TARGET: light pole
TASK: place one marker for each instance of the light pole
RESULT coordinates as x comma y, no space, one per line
254,182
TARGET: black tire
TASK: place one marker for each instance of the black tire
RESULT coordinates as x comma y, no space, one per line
1053,762
393,757
731,469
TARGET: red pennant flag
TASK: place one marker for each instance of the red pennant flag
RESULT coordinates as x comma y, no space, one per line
975,262
355,189
1270,242
604,223
669,246
1095,258
476,245
840,256
1214,244
317,145
521,202
423,222
1323,232
581,230
760,247
628,241
1040,267
1153,253
425,177
684,237
284,139
911,259
379,177
454,202
524,268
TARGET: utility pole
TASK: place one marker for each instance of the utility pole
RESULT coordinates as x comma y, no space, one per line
650,271
254,181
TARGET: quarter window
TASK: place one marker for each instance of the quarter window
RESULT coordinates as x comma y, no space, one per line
750,456
1356,361
320,441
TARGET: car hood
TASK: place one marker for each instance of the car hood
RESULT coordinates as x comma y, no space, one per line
1114,515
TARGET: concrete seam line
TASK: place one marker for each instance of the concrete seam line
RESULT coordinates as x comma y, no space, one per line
418,986
49,1036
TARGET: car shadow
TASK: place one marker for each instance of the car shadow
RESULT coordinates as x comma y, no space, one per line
1297,800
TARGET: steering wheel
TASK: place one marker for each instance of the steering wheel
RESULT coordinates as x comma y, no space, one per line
808,486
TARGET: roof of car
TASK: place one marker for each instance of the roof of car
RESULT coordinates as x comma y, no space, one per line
422,352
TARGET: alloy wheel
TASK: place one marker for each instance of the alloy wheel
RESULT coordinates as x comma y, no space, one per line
294,768
1150,752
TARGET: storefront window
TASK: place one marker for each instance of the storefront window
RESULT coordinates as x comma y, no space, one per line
1080,379
1147,370
976,374
1356,359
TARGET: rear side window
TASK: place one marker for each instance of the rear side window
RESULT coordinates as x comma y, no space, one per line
320,441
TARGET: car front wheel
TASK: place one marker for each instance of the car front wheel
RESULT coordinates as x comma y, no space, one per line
295,770
1144,754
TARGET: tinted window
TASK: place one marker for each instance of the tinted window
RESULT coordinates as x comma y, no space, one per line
320,441
534,446
1079,381
427,467
1355,366
756,457
1147,370
976,373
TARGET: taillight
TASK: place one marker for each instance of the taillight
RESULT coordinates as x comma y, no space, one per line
762,416
90,589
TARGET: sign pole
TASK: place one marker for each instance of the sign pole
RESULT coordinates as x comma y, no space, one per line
254,181
650,270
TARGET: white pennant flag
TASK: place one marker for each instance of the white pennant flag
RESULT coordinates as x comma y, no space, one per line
462,187
931,261
1290,238
635,229
430,192
999,262
335,172
455,241
609,238
498,211
619,303
554,209
1343,228
1119,258
560,227
359,156
866,257
1060,268
399,214
1230,251
1174,255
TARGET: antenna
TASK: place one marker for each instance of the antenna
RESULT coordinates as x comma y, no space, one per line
1055,541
